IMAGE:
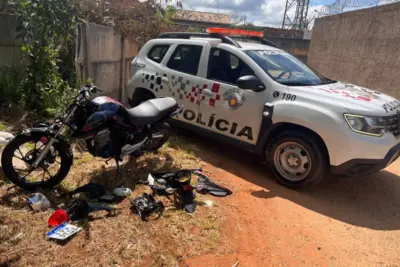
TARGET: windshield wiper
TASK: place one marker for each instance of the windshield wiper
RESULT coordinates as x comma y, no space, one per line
296,83
328,81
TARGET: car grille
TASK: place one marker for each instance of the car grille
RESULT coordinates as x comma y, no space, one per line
392,124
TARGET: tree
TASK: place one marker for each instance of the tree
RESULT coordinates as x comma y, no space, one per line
142,20
45,26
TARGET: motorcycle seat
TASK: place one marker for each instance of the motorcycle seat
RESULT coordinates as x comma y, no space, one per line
152,111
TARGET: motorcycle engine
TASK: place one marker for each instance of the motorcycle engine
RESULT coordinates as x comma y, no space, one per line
102,145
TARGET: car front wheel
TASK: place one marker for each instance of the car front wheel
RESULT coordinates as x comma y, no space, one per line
296,159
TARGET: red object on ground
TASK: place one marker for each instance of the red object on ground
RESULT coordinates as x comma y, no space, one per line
58,217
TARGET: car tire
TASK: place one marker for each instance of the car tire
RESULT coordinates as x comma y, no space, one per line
140,97
297,159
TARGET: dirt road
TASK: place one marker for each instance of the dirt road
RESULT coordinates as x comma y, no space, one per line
342,222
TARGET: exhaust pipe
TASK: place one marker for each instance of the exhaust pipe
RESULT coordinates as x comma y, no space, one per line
128,149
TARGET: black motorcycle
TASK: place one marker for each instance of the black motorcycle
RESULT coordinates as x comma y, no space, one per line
41,157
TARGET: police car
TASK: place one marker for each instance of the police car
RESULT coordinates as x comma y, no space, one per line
260,98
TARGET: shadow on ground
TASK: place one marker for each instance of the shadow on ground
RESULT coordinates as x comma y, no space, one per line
371,201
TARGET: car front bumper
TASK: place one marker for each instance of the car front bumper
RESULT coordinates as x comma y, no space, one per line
357,167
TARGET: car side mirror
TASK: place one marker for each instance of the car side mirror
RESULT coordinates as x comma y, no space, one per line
250,82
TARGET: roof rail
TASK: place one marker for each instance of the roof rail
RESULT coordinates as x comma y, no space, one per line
188,35
264,41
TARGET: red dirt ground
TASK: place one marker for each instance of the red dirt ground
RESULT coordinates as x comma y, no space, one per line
341,222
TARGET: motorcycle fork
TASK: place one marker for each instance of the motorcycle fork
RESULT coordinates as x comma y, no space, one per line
52,140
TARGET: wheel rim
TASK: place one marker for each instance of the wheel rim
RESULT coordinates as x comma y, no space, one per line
292,161
26,153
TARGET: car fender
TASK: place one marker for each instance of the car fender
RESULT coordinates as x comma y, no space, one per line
325,122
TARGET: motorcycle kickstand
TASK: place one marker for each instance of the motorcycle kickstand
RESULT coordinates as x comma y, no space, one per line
117,160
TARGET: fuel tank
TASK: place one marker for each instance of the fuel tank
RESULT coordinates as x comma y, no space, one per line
105,108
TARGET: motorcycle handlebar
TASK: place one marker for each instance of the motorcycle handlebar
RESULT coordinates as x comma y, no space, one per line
87,91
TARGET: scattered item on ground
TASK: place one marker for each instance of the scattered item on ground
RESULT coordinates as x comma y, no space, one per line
5,137
206,203
39,202
236,264
206,186
57,218
122,191
177,183
80,209
63,231
92,189
186,197
145,205
108,198
238,226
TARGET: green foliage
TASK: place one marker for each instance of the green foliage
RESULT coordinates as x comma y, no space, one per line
2,127
142,20
46,28
10,78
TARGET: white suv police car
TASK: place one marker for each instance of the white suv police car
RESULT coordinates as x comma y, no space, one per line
264,100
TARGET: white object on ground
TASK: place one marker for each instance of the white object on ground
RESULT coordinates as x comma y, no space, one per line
39,202
122,191
63,231
5,137
150,179
206,203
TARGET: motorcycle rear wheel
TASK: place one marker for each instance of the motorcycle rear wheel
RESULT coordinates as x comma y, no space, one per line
23,150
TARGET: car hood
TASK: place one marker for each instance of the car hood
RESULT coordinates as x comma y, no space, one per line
356,99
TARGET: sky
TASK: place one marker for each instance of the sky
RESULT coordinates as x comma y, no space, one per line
259,12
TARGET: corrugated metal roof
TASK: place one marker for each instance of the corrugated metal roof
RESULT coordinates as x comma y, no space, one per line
189,15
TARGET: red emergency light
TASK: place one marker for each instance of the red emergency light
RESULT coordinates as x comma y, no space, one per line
236,32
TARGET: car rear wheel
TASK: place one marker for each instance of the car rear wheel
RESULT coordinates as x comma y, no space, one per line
296,159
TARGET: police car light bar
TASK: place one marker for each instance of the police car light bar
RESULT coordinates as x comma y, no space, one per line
236,32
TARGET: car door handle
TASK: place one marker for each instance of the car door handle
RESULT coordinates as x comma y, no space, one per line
207,92
164,79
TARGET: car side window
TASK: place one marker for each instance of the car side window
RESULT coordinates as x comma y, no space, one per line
186,58
226,67
157,52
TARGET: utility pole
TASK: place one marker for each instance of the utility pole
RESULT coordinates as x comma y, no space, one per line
300,21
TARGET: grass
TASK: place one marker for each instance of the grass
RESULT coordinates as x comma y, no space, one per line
3,127
119,240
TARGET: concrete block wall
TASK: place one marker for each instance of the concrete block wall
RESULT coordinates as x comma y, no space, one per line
360,47
104,56
10,49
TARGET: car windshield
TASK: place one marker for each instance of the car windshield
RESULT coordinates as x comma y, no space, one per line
286,69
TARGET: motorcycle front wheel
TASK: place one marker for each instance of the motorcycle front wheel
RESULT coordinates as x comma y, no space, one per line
22,151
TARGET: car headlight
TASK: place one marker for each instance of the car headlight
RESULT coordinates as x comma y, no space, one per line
373,126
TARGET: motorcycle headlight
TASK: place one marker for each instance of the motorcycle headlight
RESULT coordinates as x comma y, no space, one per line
367,125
